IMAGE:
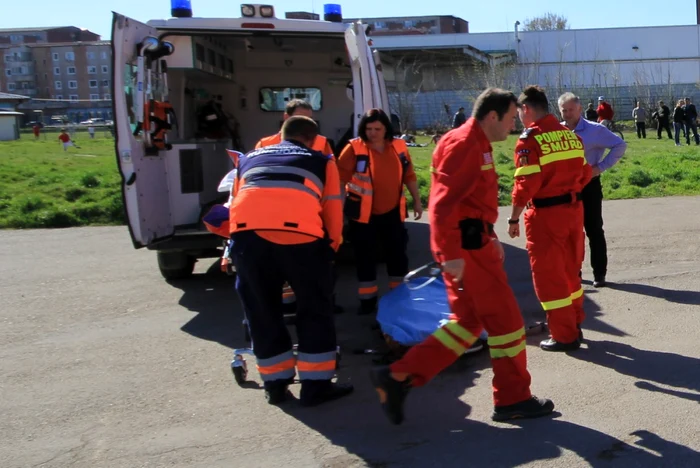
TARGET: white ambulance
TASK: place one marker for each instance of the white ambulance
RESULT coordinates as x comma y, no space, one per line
227,81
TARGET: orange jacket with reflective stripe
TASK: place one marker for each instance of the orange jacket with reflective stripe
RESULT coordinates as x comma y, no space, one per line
320,143
549,162
290,188
360,189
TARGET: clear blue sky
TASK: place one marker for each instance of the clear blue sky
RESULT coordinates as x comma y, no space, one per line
499,16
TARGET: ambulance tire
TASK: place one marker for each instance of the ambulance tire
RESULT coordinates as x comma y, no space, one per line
175,265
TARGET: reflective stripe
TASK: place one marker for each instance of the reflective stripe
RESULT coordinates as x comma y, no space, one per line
577,294
277,367
460,332
367,292
358,189
558,304
310,176
395,281
486,167
511,352
317,366
394,284
332,197
433,170
443,337
505,339
562,156
362,177
279,184
527,170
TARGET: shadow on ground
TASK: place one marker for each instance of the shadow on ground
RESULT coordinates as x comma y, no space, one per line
670,295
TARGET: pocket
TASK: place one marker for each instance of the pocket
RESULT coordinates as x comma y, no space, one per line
472,233
352,207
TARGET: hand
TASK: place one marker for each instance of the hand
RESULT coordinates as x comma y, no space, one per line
417,210
595,172
514,230
499,248
454,268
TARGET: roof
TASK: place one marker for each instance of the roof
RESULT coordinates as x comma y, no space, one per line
47,28
12,97
10,113
69,44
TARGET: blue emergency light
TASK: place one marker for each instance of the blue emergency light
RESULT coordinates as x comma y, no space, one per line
181,8
333,13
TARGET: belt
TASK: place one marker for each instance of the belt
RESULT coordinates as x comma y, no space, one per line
566,199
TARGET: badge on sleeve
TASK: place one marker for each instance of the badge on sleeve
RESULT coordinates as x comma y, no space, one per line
522,157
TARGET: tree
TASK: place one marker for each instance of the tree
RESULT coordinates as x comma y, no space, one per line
547,22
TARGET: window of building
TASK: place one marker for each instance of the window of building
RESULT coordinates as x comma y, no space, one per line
105,69
26,85
9,58
70,70
56,70
46,91
93,83
54,56
105,83
15,38
92,69
70,56
8,72
11,86
103,55
72,84
58,85
46,76
43,62
107,97
73,97
90,55
59,97
94,97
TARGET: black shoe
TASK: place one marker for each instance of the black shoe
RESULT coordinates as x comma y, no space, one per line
277,392
367,306
531,408
316,392
392,393
599,283
553,345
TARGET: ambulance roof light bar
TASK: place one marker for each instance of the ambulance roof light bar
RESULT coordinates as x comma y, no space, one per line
249,10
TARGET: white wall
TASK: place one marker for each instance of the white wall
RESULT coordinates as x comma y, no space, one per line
8,127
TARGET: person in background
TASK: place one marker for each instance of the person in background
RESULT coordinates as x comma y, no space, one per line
662,116
64,138
679,121
596,141
591,114
691,117
639,114
91,132
374,168
605,112
459,118
286,224
36,128
463,209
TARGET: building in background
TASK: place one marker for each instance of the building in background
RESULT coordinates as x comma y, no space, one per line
414,25
64,70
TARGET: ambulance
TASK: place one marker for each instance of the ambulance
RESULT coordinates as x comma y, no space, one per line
186,89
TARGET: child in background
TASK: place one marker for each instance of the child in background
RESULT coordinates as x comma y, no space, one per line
65,139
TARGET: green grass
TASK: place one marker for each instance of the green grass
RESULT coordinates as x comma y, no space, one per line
649,168
44,187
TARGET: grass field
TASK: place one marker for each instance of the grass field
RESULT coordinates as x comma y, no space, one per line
44,187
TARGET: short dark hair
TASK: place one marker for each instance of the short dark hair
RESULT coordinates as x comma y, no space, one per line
295,104
299,127
461,108
375,115
534,96
493,99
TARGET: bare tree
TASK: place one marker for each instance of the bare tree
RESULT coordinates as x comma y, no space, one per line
547,22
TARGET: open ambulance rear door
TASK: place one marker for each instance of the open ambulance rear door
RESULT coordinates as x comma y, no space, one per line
144,178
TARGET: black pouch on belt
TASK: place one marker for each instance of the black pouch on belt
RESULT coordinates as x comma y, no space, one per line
472,233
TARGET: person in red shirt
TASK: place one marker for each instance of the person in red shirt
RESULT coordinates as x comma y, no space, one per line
605,111
463,208
65,139
37,131
551,171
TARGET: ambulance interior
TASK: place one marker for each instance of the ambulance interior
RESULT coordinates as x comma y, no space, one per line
229,91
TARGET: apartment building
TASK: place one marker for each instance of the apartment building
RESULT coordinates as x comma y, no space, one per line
414,25
66,77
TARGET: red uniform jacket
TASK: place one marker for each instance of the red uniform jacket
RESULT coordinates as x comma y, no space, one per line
549,162
464,185
605,112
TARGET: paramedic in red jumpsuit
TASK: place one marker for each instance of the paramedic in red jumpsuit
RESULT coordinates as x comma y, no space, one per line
550,173
463,209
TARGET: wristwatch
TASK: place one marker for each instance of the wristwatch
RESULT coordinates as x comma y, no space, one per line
513,221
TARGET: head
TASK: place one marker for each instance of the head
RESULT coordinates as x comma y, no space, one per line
298,107
375,127
63,130
601,99
681,102
590,106
300,128
570,108
687,100
661,103
533,105
495,109
461,110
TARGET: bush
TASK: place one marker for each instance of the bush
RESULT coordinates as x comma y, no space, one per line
90,181
31,204
73,194
640,178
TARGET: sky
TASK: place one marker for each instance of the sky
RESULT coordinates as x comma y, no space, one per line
501,16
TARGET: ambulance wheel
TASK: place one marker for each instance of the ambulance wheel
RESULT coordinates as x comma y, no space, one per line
240,374
175,265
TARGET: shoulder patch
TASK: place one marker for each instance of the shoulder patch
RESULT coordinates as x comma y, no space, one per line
526,133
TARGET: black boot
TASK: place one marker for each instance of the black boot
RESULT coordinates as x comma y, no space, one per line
367,306
553,345
392,393
531,408
316,392
277,392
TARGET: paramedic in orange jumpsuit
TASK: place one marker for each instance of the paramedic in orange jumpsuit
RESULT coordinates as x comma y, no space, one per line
374,169
550,173
463,208
303,108
286,221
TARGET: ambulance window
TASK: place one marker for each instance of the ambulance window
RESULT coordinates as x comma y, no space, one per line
275,99
199,48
